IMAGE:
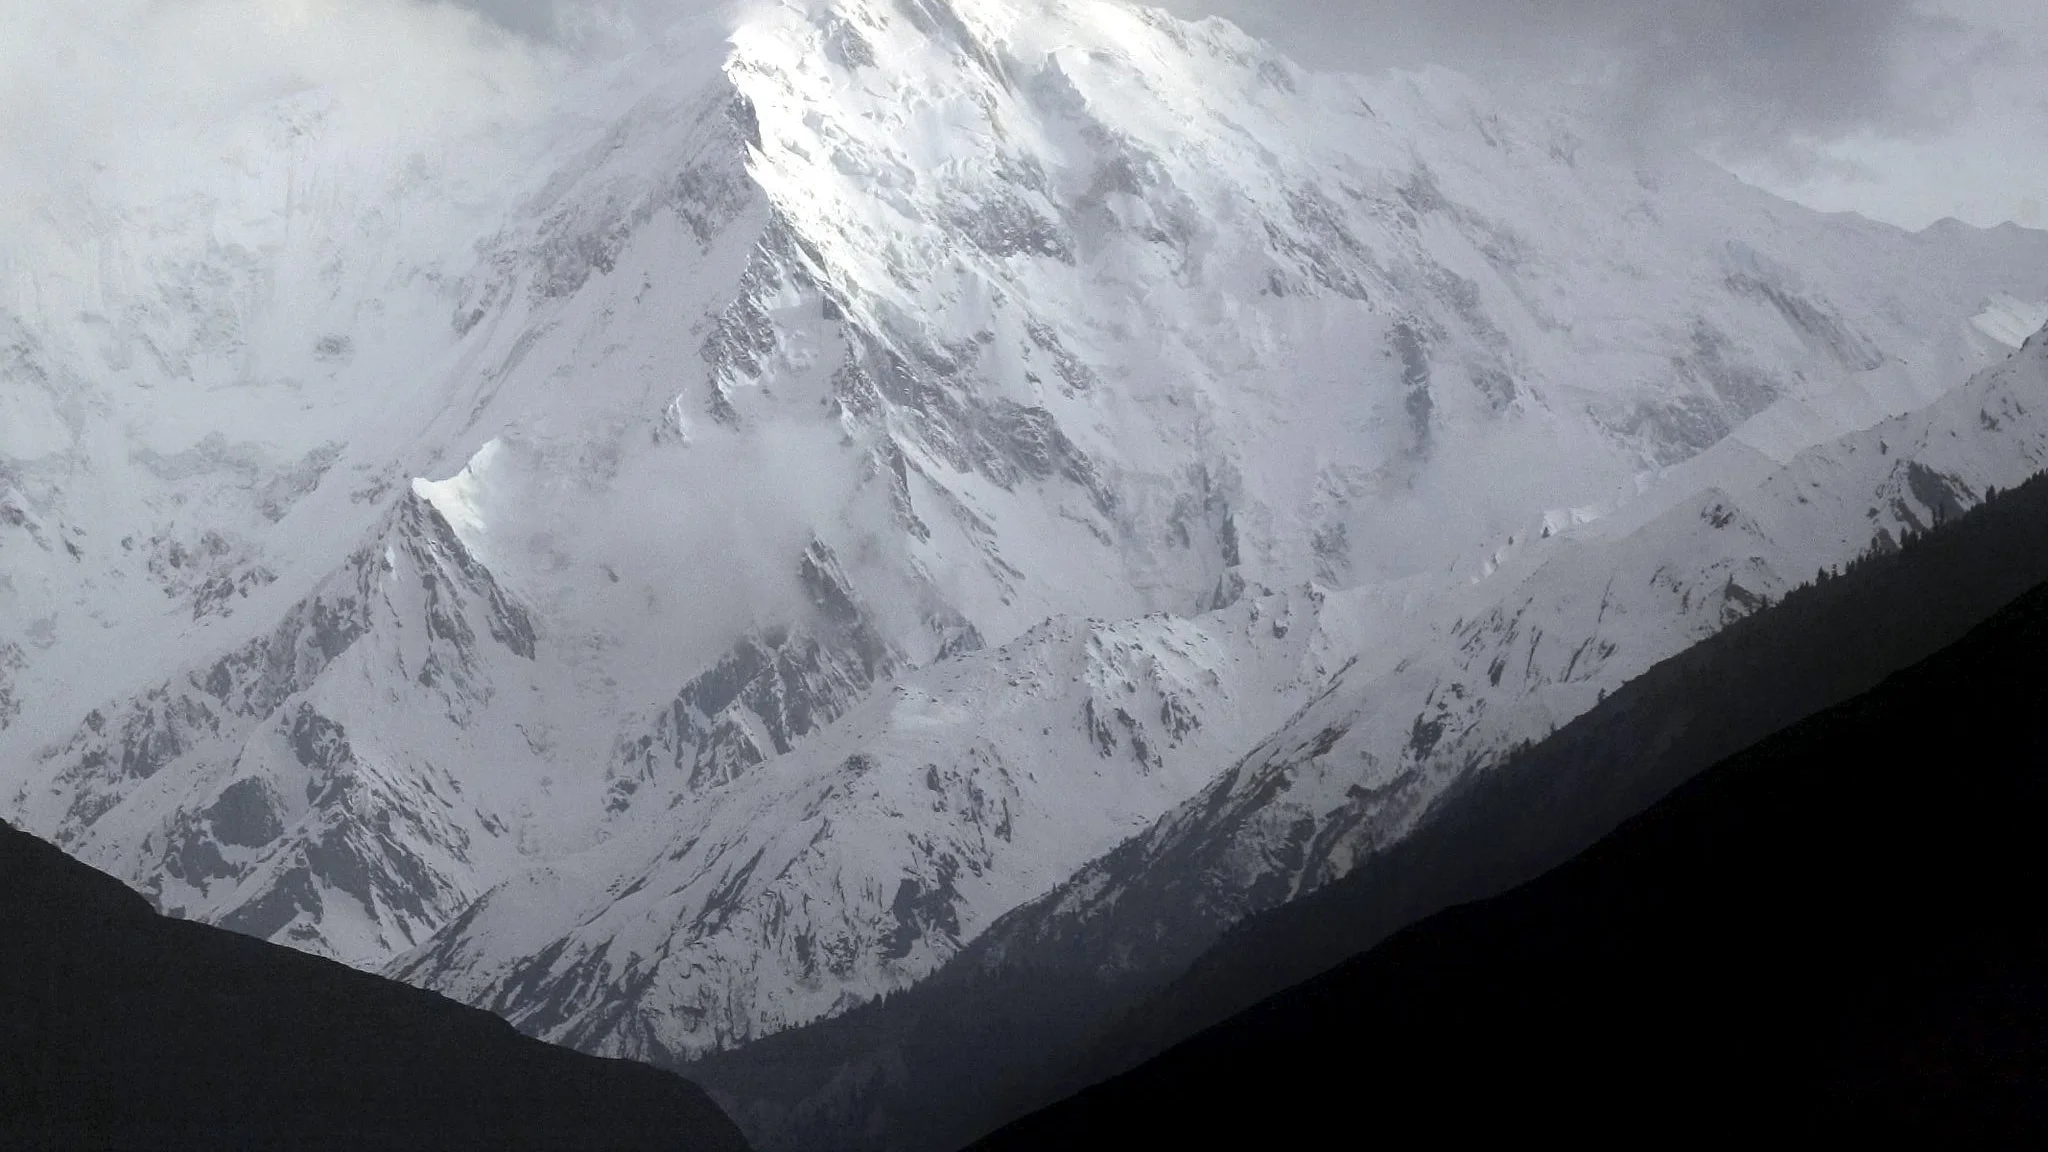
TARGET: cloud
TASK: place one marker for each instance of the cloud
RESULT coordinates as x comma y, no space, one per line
114,94
531,17
1748,75
588,25
124,97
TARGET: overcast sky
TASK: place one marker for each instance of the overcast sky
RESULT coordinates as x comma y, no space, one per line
1908,110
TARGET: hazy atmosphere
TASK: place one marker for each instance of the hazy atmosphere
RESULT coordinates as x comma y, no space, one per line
1908,111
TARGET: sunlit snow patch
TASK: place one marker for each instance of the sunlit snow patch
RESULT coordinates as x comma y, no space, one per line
2010,321
459,498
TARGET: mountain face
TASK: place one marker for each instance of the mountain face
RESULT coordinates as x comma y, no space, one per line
965,786
688,564
1354,770
125,1029
1180,925
1812,936
1801,655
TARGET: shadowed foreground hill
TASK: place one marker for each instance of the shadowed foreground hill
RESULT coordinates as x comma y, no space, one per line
1836,929
121,1028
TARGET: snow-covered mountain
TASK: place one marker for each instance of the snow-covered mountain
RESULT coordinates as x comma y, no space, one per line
863,858
1536,646
1436,689
673,564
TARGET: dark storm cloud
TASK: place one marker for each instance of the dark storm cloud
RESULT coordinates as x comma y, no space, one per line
1754,74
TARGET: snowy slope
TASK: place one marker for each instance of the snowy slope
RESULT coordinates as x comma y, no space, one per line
1571,618
2010,322
863,859
381,529
715,945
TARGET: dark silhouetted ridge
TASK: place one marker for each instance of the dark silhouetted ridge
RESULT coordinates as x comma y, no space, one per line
120,1028
1836,930
1823,644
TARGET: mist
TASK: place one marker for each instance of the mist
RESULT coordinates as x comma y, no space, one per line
1905,109
1757,70
1908,110
134,102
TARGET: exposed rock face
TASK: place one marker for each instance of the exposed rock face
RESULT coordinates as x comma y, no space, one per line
960,788
275,813
772,689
